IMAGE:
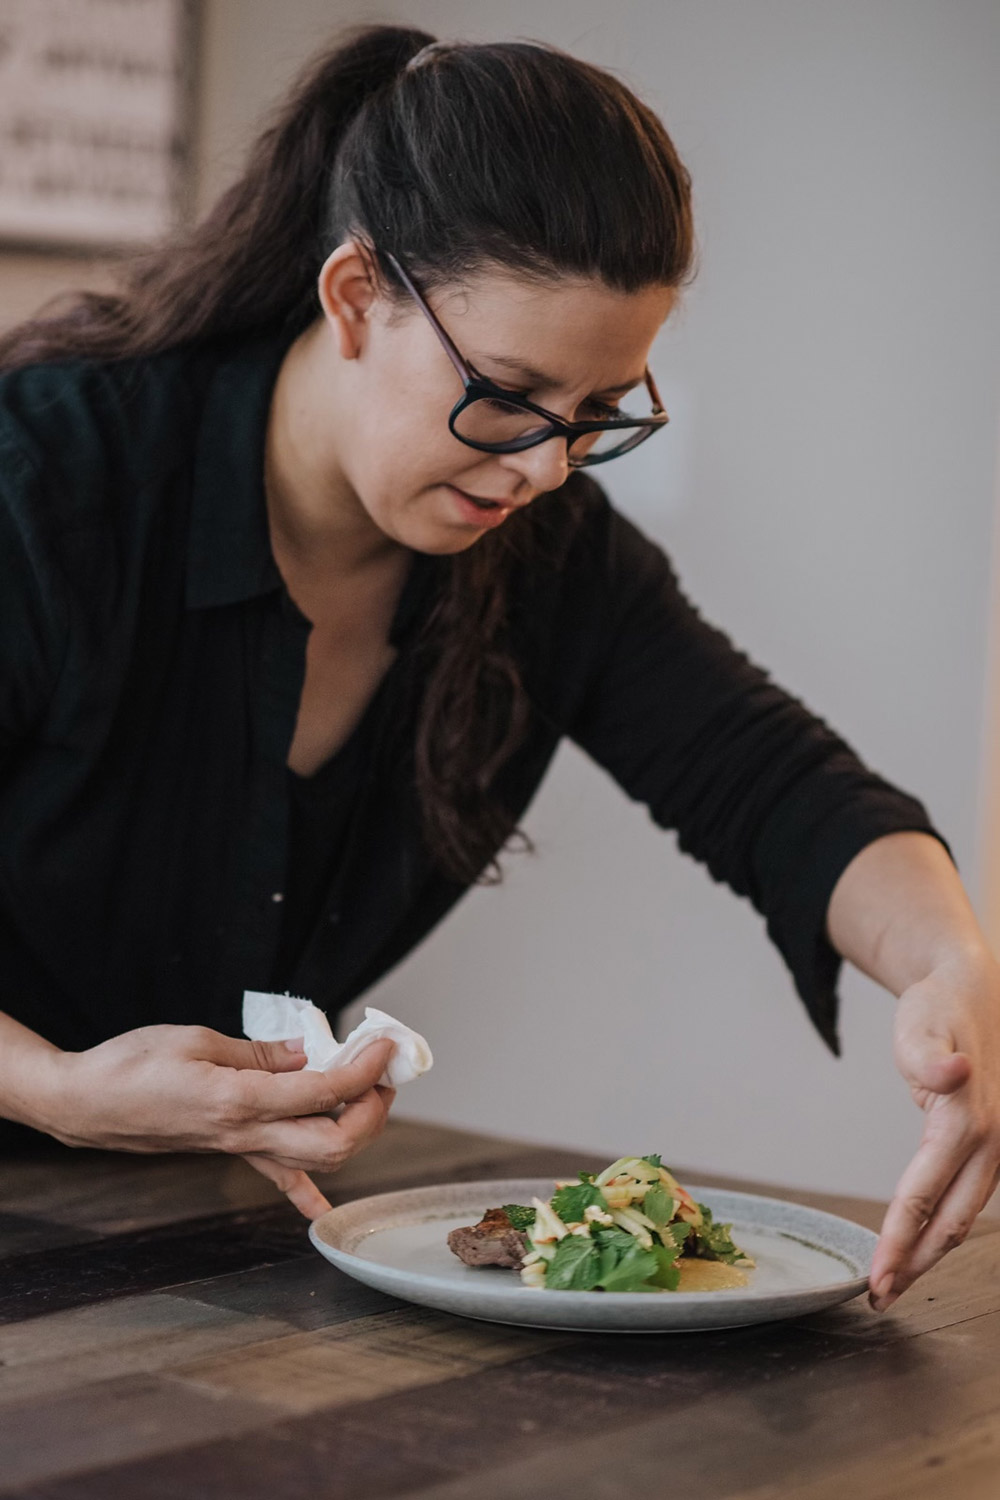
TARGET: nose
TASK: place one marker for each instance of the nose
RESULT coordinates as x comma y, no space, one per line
544,467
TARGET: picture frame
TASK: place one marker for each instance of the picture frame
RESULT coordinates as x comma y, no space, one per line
96,107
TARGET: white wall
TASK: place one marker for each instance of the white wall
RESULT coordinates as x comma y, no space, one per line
825,489
989,827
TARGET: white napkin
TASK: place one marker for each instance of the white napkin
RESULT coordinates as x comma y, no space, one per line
276,1018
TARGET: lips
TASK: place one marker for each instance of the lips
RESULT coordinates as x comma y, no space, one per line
482,512
485,501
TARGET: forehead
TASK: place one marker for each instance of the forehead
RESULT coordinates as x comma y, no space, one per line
570,327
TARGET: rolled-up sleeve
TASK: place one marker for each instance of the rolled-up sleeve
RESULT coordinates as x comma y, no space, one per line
757,788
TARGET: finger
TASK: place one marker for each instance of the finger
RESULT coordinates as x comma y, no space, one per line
917,1195
951,1222
366,1118
244,1054
929,1060
316,1143
290,1095
299,1189
359,1123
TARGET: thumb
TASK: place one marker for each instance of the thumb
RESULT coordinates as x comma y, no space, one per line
930,1061
265,1057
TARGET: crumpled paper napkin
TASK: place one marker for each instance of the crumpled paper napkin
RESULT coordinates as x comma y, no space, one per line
276,1018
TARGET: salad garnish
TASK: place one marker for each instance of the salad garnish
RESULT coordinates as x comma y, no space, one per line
622,1230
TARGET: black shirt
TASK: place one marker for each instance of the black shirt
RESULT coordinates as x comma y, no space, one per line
151,664
322,820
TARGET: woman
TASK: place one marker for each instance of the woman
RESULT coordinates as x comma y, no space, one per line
305,580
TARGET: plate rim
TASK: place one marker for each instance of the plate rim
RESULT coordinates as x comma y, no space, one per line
502,1295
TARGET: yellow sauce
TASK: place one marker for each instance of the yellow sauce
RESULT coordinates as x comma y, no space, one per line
709,1275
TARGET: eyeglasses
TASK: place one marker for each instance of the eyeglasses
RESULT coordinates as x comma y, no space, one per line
495,420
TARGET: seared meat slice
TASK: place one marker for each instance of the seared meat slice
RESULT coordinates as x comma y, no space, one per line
492,1242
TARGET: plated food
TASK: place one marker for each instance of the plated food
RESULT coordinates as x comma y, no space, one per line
630,1228
397,1242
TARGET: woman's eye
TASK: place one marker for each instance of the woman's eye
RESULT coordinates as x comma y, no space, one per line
600,410
495,404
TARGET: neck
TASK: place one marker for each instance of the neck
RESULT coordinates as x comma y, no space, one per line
318,525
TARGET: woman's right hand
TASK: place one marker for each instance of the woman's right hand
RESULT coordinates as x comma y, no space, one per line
188,1088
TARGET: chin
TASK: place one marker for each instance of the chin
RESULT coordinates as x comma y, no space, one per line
438,545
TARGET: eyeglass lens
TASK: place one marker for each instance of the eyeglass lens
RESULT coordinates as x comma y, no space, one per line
492,421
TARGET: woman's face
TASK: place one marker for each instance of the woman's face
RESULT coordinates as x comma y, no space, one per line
566,344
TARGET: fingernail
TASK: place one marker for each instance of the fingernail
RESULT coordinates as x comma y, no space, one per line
295,1045
881,1301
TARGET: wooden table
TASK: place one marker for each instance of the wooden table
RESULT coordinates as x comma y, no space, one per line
169,1333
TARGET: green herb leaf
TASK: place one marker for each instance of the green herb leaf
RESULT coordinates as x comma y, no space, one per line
613,1243
521,1218
630,1270
575,1265
714,1241
570,1202
654,1160
613,1236
666,1274
677,1233
659,1205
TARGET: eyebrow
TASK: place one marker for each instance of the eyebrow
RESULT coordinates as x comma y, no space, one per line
537,379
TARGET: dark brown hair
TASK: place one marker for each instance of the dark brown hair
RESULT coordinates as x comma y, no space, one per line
453,157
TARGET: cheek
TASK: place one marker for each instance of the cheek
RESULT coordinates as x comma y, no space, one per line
405,449
402,452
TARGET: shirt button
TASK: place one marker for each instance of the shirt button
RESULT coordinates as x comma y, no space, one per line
278,896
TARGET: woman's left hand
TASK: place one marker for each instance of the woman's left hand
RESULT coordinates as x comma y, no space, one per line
947,1047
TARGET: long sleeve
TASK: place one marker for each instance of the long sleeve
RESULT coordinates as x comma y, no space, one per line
32,610
758,789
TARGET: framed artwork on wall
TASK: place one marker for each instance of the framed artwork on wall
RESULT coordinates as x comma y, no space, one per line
96,102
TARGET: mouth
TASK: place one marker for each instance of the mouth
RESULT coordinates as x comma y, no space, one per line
482,502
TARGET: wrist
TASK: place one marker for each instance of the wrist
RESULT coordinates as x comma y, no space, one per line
969,963
38,1100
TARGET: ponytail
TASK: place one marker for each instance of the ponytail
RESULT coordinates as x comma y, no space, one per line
450,157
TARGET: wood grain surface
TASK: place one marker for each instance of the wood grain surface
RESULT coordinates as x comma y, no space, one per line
167,1332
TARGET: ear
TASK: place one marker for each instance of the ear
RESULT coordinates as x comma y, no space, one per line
346,294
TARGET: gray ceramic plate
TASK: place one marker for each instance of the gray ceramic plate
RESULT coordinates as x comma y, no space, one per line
397,1242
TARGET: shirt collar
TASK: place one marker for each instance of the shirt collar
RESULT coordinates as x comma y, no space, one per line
229,549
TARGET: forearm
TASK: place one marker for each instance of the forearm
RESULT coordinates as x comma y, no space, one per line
899,911
26,1061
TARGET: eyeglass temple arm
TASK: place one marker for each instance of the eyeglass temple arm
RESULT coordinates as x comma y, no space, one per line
464,370
658,407
449,348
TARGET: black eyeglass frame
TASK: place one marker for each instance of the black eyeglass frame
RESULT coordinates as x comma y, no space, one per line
478,387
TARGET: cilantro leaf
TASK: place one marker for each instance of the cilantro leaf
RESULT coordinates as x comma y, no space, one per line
521,1218
677,1233
630,1270
624,1265
575,1265
613,1236
714,1241
654,1160
666,1273
659,1205
570,1202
